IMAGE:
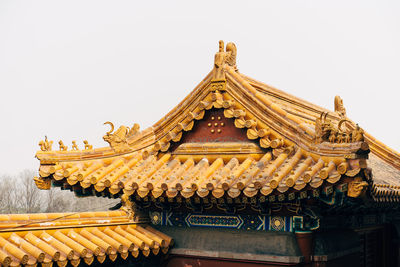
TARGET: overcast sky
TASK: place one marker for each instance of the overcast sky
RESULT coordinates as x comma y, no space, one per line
67,67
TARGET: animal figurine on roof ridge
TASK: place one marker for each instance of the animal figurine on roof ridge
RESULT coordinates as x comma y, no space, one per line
46,144
326,131
118,139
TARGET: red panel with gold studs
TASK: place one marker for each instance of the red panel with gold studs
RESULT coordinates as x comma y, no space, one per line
215,128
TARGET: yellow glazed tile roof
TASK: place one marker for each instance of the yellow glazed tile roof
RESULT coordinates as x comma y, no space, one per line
62,238
173,175
287,156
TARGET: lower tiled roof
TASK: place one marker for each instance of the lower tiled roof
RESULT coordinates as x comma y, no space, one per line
385,193
62,238
385,183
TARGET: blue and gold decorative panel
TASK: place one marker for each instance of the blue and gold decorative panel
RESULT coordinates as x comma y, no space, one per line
224,221
248,222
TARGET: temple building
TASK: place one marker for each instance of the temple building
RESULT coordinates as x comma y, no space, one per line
238,174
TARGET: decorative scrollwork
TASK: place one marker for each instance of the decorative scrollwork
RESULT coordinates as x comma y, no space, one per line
224,57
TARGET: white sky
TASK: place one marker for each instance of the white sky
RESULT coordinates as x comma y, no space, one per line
68,66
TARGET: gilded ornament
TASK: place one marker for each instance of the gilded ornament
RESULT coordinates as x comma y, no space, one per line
231,52
357,134
277,143
62,146
339,107
356,187
218,85
42,183
252,134
263,132
265,142
227,57
326,131
118,139
45,145
228,113
127,206
227,103
87,145
74,145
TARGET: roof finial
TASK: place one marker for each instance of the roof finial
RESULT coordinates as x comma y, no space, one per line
224,58
221,46
339,107
231,55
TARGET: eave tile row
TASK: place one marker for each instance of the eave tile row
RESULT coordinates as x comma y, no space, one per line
166,174
62,244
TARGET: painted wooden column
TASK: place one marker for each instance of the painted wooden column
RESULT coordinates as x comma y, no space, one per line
305,242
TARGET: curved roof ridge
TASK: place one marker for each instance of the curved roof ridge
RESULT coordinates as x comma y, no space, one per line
377,147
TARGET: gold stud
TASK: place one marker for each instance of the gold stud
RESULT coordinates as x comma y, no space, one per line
219,118
209,125
215,124
212,118
212,131
222,124
219,130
